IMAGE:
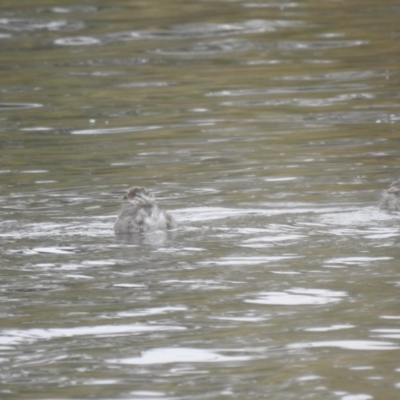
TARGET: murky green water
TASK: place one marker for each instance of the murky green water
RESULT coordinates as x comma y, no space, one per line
268,129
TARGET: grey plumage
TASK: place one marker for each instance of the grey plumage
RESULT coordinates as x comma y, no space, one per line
141,213
390,199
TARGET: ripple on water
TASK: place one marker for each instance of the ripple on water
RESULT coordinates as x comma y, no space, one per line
347,345
121,129
261,241
355,260
211,48
188,31
387,333
150,311
149,395
319,45
205,30
298,296
17,336
32,24
49,250
152,84
18,106
330,328
77,41
356,217
284,90
74,9
37,129
179,355
93,228
252,260
355,117
301,102
213,213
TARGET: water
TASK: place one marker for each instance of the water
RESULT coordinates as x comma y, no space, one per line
268,129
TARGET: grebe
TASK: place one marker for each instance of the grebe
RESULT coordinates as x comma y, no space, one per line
142,214
390,199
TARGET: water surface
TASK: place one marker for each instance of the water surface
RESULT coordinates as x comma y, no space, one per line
268,129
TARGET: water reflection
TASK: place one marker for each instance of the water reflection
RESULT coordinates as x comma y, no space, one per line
349,345
298,296
28,24
77,41
18,106
12,337
185,31
178,355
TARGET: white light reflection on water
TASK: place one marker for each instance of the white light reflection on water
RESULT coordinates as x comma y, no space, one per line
387,333
16,336
357,217
18,106
247,260
77,41
94,227
356,260
212,213
149,311
348,345
293,297
149,395
179,355
121,129
330,328
346,396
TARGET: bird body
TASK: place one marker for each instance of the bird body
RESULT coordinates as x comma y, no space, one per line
141,213
390,199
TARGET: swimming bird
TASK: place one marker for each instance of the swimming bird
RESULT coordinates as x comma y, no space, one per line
141,213
390,199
